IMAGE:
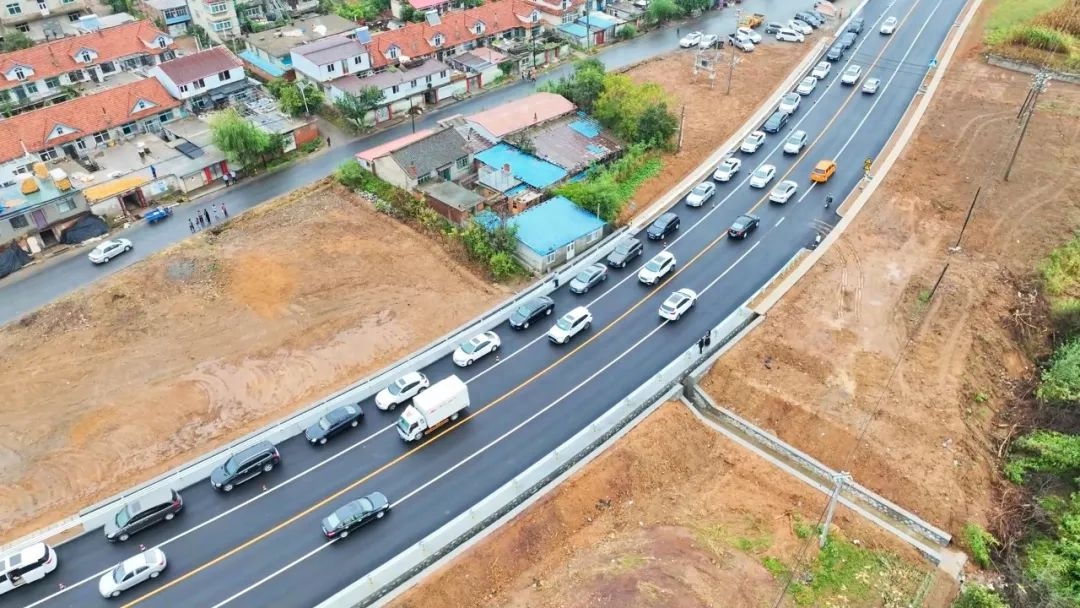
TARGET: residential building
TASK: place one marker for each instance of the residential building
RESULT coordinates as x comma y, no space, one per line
441,156
424,82
510,118
558,12
217,17
518,175
40,74
573,142
332,57
420,6
42,19
480,65
92,23
452,201
203,80
554,232
34,211
270,11
591,29
268,52
173,13
367,157
75,128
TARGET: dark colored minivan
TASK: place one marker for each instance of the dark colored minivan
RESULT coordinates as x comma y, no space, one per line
149,509
244,465
663,226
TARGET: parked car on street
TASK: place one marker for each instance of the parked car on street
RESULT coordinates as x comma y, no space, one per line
107,250
800,26
701,193
623,253
789,35
821,70
569,325
806,86
742,43
690,40
810,19
752,142
855,26
657,268
534,309
354,514
749,33
149,509
403,390
762,176
585,280
772,27
783,191
476,348
662,227
727,169
333,422
132,571
743,226
30,564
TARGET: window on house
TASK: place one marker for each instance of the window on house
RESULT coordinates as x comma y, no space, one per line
14,9
428,79
183,88
394,89
442,74
393,52
52,83
463,162
31,88
48,155
42,5
73,17
478,28
66,206
331,67
223,76
551,258
437,40
223,26
358,60
162,43
20,74
24,28
84,57
165,116
218,8
19,222
129,129
199,84
80,144
102,137
75,76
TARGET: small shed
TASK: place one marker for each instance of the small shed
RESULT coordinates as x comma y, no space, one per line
554,232
451,201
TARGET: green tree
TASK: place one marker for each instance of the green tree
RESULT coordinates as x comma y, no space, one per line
241,141
977,596
584,85
662,11
295,98
623,103
355,108
657,126
15,40
689,6
1060,383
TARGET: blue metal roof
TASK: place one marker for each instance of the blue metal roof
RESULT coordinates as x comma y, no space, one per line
554,224
601,20
587,127
533,171
262,64
576,30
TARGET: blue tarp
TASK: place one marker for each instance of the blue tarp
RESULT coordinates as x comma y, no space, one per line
553,225
262,64
533,171
588,128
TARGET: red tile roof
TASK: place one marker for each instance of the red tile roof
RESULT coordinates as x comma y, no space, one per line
86,115
58,57
183,70
526,112
457,28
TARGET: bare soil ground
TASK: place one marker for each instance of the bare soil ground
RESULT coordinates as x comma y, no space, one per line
832,369
673,516
210,340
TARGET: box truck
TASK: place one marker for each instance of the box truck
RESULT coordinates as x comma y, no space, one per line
442,402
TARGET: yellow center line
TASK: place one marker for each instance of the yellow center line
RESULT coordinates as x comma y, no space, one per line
382,469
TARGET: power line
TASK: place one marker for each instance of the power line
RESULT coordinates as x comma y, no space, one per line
1038,85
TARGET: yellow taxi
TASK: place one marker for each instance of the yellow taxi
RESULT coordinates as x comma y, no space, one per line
823,171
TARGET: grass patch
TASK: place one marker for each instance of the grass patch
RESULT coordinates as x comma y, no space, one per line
718,540
979,543
1009,14
1061,270
775,567
1041,32
606,189
802,529
847,574
630,562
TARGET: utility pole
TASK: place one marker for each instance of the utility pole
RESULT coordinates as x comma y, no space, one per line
840,479
1042,80
682,119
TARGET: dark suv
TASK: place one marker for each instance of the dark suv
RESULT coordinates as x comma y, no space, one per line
244,465
663,226
775,122
836,52
856,25
847,40
149,509
624,252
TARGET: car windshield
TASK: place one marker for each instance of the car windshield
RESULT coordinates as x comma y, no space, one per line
701,189
761,173
334,520
739,223
125,514
119,573
585,276
232,465
728,165
790,98
395,388
565,323
622,249
365,505
324,423
654,265
470,347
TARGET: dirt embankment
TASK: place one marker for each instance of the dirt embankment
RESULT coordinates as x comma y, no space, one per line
210,340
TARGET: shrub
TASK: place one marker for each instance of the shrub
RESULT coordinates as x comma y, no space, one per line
1044,451
979,542
627,32
1060,383
1040,37
977,596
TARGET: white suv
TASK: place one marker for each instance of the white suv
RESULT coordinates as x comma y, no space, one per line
657,268
570,325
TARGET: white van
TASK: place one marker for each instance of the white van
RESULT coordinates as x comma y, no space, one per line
29,565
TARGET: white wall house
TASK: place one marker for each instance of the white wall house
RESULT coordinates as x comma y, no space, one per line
217,17
42,19
332,57
204,79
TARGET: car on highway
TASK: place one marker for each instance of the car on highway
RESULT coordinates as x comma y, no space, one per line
408,386
783,191
30,564
536,308
806,86
569,325
701,193
789,35
835,53
795,142
709,41
775,122
823,171
752,142
152,508
244,466
762,176
624,252
800,26
333,422
855,26
678,304
590,277
742,43
851,75
789,103
743,226
354,514
690,40
772,27
748,33
821,70
476,348
888,26
870,85
657,268
132,571
727,169
846,40
107,250
662,227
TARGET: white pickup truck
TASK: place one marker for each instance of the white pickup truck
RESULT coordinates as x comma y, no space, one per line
441,403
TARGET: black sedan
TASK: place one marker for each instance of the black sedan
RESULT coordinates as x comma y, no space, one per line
334,422
743,226
355,514
624,252
530,311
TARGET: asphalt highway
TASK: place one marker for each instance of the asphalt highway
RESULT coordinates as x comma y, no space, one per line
263,547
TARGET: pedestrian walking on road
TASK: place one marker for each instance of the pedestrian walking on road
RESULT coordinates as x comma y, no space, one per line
217,214
707,339
701,345
206,215
191,225
224,211
327,142
198,220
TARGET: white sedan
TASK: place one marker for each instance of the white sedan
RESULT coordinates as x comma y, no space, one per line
132,571
789,103
727,169
806,86
570,325
657,268
783,191
789,35
691,39
762,176
746,32
403,389
821,70
888,26
476,348
107,250
800,26
678,303
752,142
701,193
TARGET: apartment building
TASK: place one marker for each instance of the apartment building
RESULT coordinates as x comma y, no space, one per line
42,19
203,80
217,17
173,13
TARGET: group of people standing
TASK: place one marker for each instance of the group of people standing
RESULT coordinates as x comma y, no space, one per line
202,217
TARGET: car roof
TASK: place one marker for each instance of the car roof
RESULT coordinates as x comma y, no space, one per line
153,497
663,255
578,311
821,164
262,446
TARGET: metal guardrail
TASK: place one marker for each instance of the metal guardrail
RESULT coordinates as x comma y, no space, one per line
415,559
